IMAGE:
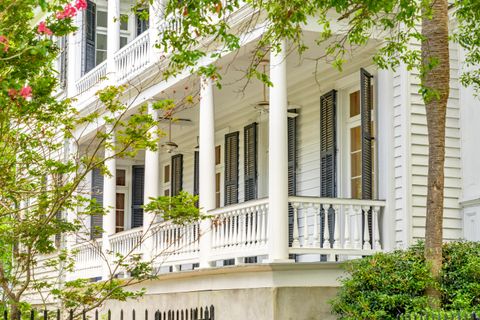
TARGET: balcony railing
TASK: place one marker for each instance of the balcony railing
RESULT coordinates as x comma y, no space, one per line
88,259
336,228
91,78
133,57
126,243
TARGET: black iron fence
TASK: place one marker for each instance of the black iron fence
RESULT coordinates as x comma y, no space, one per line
453,315
202,313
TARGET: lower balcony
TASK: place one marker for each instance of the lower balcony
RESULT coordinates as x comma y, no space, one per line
320,229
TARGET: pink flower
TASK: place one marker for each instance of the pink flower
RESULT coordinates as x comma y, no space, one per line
68,12
4,41
81,4
42,28
26,92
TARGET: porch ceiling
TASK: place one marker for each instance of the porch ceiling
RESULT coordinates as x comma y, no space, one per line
238,94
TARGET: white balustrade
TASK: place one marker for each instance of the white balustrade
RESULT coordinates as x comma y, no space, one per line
91,78
88,259
328,225
127,243
133,57
240,230
173,242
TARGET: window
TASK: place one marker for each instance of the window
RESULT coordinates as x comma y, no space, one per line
121,177
355,149
120,212
101,35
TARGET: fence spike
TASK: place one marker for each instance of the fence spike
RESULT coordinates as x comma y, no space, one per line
71,314
121,314
96,314
146,314
133,314
32,314
212,312
109,314
84,316
45,314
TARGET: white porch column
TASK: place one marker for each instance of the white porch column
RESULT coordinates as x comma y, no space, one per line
156,13
385,145
74,48
113,33
109,197
151,190
278,159
207,166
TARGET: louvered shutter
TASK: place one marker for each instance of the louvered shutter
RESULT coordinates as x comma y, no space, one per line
366,104
89,45
177,174
63,44
328,156
292,170
96,220
231,168
328,145
142,24
138,186
250,161
196,172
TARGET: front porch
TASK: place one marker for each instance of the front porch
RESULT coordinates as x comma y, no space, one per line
283,182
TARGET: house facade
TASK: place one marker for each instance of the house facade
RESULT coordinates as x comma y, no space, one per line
321,167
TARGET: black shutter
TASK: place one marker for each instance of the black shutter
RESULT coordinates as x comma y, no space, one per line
292,171
250,161
63,62
138,186
142,24
328,157
366,104
196,173
328,145
96,220
90,24
177,174
231,168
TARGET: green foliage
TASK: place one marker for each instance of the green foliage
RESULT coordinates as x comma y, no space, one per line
383,286
461,276
386,285
180,209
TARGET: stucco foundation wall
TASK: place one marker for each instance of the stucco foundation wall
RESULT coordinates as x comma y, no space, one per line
296,303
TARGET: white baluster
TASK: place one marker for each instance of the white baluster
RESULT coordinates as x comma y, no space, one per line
304,209
248,215
366,233
357,222
258,217
295,242
316,226
235,227
326,235
347,212
264,209
336,235
376,232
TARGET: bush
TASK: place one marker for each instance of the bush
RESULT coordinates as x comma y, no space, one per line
386,285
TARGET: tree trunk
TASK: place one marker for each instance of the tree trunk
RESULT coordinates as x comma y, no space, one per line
435,79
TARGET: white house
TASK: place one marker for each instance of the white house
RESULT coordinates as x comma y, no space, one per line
323,166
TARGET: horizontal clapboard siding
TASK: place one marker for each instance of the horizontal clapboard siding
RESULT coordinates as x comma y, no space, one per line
419,157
